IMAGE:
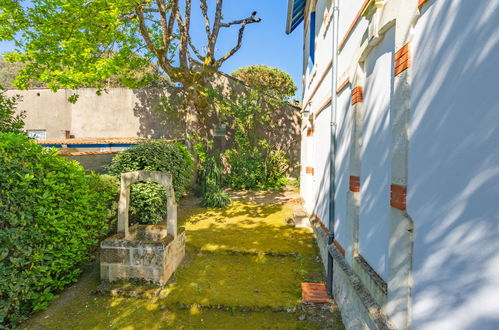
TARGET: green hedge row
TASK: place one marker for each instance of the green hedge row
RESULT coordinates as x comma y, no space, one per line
51,215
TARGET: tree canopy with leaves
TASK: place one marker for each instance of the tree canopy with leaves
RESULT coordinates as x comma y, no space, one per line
78,43
272,81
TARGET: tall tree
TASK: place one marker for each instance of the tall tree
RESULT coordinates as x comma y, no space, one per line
271,81
77,43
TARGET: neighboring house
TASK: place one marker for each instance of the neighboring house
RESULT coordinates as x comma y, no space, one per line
407,93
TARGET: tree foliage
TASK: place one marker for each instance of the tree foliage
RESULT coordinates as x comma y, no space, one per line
76,43
271,81
9,120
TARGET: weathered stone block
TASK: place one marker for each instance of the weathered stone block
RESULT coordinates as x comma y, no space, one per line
115,256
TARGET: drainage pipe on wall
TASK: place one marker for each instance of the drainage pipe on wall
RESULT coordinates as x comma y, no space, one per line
332,148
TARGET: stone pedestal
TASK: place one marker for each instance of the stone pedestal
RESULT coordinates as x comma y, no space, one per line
149,254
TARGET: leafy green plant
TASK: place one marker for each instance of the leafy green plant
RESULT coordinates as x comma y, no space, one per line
148,199
252,161
108,187
210,177
216,199
50,216
9,120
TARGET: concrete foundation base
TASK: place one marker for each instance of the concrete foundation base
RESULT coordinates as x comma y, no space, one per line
148,254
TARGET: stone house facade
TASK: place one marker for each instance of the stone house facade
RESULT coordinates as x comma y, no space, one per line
399,158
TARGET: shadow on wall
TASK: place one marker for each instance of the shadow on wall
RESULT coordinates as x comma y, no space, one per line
156,120
454,166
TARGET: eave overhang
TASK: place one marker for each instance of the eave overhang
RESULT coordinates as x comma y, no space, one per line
296,14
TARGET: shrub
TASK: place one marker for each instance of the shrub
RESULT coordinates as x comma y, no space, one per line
50,216
210,178
148,199
9,121
108,187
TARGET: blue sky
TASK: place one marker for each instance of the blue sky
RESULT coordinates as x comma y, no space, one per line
264,43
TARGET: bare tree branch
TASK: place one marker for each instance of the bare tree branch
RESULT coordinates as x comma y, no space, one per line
160,54
216,28
204,10
243,22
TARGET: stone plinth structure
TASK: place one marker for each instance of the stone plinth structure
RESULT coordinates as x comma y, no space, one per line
145,252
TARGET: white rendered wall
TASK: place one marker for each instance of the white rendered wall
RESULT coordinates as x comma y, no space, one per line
453,185
375,157
321,169
342,165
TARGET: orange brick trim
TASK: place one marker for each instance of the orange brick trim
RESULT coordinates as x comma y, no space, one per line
310,132
318,84
339,247
402,59
356,95
315,218
354,183
343,86
421,3
309,170
398,196
354,23
323,106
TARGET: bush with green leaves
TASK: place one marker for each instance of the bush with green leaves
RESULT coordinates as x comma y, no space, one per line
108,187
51,215
210,177
253,162
148,199
9,120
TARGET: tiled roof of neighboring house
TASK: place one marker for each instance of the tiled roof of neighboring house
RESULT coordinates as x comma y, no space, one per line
93,141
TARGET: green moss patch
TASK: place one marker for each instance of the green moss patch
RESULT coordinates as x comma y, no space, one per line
248,227
239,281
243,270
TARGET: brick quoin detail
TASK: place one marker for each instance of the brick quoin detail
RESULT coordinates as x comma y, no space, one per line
421,3
356,95
402,59
310,170
398,197
310,132
354,183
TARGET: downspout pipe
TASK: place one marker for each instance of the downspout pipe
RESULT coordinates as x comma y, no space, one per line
332,149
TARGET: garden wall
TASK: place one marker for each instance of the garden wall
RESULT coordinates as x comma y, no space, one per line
127,113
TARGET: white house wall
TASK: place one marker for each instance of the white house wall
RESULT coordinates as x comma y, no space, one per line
454,166
375,155
321,165
416,243
342,165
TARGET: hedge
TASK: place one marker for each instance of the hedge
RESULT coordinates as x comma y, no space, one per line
50,218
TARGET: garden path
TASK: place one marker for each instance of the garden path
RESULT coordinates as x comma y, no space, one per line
243,270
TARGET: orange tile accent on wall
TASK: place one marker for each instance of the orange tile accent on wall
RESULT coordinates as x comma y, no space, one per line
310,132
354,183
398,196
421,3
357,95
310,170
402,59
